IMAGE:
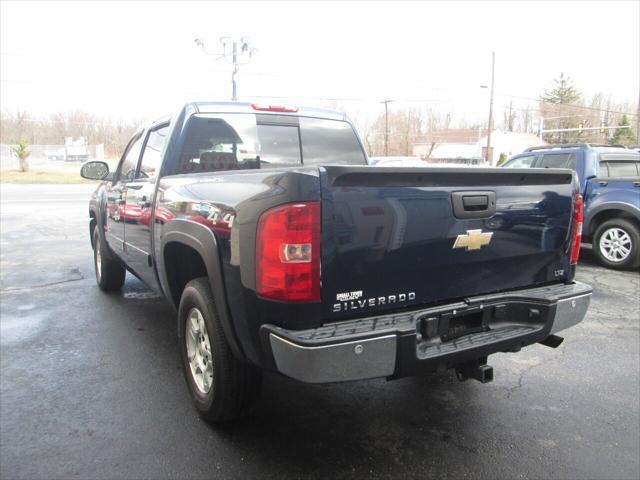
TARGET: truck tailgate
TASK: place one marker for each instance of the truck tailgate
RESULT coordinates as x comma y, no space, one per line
395,238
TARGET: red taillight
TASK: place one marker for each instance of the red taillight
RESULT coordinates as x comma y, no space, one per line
288,253
273,108
578,215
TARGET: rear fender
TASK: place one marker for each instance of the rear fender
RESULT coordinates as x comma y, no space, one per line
202,240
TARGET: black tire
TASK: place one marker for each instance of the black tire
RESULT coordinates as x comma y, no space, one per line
633,259
235,386
110,274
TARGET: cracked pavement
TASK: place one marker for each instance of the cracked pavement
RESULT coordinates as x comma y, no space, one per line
91,387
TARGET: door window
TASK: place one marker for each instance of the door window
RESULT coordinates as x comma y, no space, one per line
619,169
129,162
150,162
558,160
521,162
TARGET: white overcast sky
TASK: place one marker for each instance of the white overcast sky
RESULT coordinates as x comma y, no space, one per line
127,59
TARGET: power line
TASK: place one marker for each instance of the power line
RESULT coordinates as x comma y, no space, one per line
583,107
239,48
438,100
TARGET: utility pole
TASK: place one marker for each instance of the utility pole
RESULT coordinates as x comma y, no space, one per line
234,94
638,120
386,127
239,48
490,125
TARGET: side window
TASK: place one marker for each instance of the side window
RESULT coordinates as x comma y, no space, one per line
558,160
622,169
129,162
603,170
151,156
521,162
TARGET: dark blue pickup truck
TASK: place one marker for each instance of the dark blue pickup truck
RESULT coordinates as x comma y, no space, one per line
282,250
610,184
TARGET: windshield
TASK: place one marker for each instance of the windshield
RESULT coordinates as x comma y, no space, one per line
249,141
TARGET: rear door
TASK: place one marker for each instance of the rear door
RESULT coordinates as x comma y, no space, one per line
139,201
618,172
116,195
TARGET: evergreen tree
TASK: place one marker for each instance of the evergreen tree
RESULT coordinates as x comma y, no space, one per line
563,93
623,136
556,103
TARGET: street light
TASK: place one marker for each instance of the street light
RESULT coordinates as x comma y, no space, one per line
488,131
490,122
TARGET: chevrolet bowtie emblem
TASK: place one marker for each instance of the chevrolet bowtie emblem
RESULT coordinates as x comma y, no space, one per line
473,240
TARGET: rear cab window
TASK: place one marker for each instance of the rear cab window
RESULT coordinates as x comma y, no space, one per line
239,141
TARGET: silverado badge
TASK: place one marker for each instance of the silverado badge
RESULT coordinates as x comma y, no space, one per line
473,240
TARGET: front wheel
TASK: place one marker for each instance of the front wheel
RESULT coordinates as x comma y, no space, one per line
222,387
109,273
616,243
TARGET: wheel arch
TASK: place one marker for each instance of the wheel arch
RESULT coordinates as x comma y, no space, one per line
92,225
183,239
609,212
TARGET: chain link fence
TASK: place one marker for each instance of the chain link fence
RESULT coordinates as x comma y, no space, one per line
52,157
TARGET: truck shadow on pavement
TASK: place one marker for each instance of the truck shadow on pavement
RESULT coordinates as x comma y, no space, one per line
357,428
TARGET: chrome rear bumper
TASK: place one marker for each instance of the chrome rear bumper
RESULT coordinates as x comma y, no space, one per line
392,346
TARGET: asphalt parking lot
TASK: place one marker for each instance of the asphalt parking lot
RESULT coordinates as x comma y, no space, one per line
90,386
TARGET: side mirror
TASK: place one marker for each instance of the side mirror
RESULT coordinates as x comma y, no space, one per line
95,170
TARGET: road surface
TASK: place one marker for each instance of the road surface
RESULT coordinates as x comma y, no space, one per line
91,387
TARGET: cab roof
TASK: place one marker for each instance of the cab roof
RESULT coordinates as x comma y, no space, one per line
267,108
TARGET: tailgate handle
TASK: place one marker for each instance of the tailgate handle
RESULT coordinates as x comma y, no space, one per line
473,204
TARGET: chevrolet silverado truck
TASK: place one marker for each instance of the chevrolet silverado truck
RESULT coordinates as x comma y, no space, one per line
609,179
282,250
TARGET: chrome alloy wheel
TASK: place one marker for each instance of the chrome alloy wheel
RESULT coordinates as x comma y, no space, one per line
199,351
615,244
98,261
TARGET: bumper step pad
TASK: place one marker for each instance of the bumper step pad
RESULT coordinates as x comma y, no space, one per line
471,341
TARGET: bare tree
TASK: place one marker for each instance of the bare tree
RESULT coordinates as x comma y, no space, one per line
53,130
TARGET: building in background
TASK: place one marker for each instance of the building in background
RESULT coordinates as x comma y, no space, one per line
469,145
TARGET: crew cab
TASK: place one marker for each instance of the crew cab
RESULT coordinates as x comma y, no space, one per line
609,179
282,250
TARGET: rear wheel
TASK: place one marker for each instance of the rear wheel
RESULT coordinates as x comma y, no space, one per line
222,387
109,273
616,243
